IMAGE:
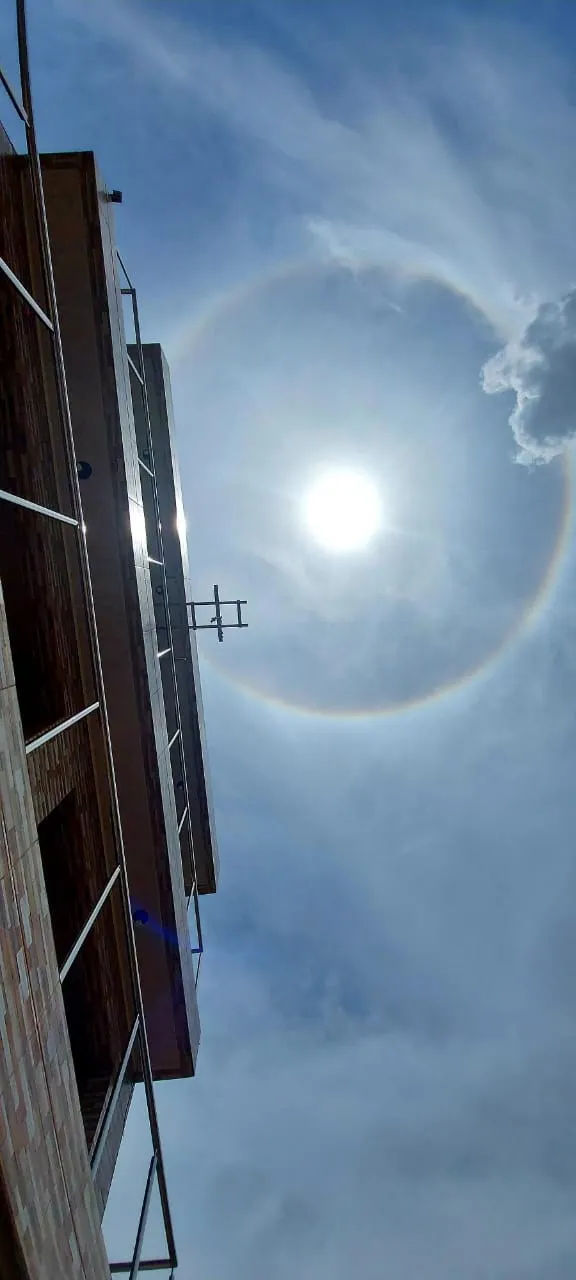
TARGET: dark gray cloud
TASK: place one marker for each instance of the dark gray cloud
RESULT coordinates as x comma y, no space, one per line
540,369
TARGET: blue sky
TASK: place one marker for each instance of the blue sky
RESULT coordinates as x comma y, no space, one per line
353,233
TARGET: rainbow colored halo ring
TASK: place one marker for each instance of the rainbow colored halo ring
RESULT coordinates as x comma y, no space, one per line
225,305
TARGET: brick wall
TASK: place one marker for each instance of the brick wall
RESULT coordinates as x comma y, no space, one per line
45,1176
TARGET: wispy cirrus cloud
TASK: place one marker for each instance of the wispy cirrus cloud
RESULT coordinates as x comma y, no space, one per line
456,163
456,160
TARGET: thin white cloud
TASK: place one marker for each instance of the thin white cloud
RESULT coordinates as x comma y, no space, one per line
386,173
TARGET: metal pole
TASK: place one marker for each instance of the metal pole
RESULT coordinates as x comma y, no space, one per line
147,1264
218,613
14,100
92,918
59,728
143,1218
108,1116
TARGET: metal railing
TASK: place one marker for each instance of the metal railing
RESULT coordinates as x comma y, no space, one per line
49,318
149,467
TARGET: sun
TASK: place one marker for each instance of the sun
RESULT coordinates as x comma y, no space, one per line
343,510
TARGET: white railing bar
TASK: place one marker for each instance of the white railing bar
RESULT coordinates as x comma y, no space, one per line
69,961
59,728
22,290
5,496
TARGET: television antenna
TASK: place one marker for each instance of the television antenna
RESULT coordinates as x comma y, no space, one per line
217,622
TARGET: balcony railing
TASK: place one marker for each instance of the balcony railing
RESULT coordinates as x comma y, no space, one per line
177,740
118,879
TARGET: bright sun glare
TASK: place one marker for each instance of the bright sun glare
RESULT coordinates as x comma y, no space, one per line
343,511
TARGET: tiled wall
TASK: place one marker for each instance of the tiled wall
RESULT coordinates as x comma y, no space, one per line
43,1155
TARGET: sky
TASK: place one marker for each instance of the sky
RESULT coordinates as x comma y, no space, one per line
352,230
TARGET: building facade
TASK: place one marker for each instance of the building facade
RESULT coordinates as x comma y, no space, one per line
107,834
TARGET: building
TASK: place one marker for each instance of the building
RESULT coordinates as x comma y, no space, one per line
107,834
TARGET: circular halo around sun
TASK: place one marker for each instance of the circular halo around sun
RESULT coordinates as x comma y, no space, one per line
342,510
